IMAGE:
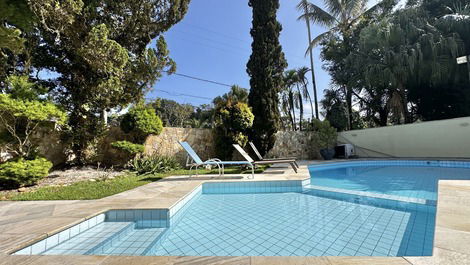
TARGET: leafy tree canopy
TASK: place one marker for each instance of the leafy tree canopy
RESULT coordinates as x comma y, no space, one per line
174,114
232,122
142,120
22,113
236,94
398,66
106,54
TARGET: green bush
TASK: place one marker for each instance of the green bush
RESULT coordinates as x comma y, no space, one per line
23,111
23,172
232,121
326,134
153,164
128,147
142,121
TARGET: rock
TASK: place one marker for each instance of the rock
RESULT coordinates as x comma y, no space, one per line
92,180
22,189
111,177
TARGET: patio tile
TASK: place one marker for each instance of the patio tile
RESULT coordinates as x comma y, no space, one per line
452,240
290,260
440,257
367,260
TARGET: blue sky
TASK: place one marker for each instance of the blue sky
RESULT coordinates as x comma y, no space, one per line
213,42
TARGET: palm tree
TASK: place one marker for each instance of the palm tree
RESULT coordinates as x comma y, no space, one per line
294,94
285,105
302,7
303,81
236,94
289,95
340,17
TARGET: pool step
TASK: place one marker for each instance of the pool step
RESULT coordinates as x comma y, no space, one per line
129,241
373,195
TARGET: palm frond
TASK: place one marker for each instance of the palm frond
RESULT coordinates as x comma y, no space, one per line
379,6
302,6
318,39
317,15
336,7
354,8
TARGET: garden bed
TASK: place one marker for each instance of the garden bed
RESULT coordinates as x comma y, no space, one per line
89,184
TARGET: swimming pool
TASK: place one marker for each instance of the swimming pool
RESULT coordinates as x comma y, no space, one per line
260,218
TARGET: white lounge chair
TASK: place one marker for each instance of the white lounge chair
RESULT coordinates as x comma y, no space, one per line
194,161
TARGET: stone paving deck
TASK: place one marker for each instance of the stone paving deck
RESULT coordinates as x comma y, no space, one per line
22,223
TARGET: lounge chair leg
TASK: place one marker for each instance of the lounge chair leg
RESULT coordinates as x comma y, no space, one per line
297,165
252,172
293,167
197,174
191,171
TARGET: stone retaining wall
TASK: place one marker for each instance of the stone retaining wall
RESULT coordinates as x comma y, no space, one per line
295,144
166,143
288,144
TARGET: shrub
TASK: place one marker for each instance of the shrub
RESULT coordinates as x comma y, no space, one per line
142,121
326,134
22,112
23,172
153,164
128,147
231,124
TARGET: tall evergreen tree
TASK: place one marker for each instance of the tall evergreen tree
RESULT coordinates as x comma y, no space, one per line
265,68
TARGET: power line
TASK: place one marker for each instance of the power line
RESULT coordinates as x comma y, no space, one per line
201,79
228,48
234,38
223,49
181,94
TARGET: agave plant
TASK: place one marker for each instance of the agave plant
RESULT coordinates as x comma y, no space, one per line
153,164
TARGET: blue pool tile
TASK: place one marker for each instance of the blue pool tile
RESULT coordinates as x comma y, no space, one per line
289,223
38,247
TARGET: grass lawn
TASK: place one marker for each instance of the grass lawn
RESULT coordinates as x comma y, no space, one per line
88,190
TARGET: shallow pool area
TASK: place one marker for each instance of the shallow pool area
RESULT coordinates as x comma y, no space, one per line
408,179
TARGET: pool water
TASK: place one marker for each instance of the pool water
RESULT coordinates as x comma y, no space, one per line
297,224
277,218
292,223
404,181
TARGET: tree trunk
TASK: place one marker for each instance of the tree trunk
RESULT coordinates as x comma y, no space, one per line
404,103
104,116
383,117
301,107
314,84
292,108
349,107
311,106
294,126
290,118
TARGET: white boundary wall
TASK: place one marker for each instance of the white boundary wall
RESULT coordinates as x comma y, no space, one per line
434,139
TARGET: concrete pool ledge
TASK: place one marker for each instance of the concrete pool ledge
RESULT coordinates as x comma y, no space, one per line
22,223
